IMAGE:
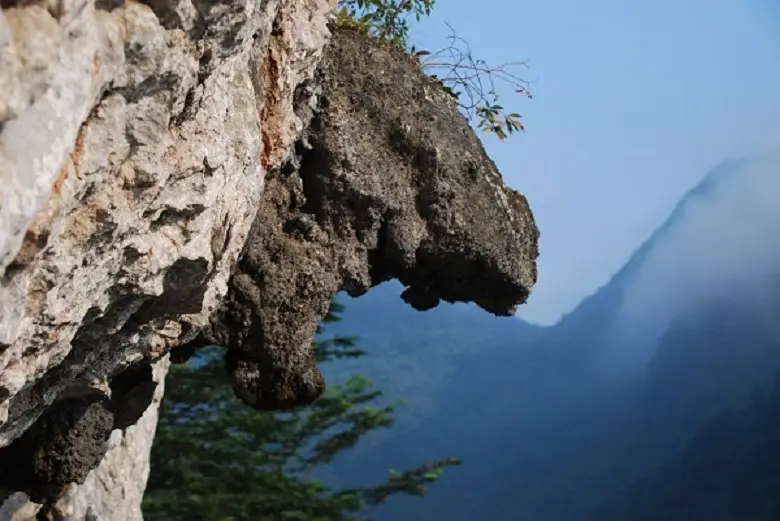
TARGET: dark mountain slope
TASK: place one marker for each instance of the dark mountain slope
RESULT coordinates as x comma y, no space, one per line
729,471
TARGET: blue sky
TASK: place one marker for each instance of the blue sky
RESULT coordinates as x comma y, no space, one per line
632,103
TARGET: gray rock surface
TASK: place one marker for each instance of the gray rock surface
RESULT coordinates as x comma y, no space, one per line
134,141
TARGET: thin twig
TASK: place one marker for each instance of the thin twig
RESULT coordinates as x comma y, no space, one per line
470,78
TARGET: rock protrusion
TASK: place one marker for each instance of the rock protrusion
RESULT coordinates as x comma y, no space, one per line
62,447
388,182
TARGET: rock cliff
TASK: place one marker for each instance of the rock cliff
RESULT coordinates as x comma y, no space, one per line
182,173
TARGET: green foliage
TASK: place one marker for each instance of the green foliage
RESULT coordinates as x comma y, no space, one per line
215,459
468,80
492,119
384,19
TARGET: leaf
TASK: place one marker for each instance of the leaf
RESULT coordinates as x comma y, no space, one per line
433,475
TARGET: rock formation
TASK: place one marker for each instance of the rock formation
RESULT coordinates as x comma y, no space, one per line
179,173
112,491
388,182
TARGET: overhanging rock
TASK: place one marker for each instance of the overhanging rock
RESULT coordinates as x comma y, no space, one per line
146,204
388,182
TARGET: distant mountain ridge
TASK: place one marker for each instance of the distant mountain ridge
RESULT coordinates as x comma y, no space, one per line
542,435
595,317
602,304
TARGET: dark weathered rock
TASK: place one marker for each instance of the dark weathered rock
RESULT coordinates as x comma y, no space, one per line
389,182
114,489
61,447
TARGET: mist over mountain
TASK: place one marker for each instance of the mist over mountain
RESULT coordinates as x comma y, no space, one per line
717,243
553,422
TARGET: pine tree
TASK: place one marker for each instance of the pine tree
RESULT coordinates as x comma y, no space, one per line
214,459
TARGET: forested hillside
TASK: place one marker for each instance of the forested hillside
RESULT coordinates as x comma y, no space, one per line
730,470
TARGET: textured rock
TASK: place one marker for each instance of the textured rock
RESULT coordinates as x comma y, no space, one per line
18,507
113,491
61,447
389,182
70,438
134,160
136,142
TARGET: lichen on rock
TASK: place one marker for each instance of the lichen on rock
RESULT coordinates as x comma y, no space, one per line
388,182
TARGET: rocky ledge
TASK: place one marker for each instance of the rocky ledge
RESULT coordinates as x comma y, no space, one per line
182,173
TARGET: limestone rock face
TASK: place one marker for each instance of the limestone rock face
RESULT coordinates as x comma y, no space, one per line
134,141
175,173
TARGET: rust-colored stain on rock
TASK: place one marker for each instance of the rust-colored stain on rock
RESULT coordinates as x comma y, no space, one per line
73,161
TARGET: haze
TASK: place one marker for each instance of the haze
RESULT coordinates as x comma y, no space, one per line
720,246
633,102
